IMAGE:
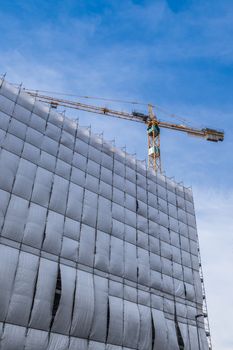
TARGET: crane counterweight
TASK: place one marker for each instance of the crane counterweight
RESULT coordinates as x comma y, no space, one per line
213,135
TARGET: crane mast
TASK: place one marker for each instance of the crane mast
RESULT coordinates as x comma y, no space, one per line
153,124
153,134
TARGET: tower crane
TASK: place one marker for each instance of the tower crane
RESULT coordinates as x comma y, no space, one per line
152,122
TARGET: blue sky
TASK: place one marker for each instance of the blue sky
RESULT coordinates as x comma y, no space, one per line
175,54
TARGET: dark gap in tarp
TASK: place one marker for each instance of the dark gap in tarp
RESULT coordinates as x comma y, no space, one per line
178,333
57,296
108,320
73,304
152,333
35,288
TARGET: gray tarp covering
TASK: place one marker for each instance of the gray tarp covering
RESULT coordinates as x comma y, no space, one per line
83,306
87,244
96,346
115,333
193,336
23,290
42,187
145,334
5,196
14,337
9,164
58,342
8,265
185,335
99,325
15,219
161,330
131,324
80,344
102,251
92,244
53,232
172,337
35,226
36,340
203,340
62,320
43,299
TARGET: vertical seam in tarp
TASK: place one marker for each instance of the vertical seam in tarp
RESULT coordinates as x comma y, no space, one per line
13,284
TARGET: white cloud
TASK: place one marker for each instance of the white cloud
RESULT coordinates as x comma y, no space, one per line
130,69
19,68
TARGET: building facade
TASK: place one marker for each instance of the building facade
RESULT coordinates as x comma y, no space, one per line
96,251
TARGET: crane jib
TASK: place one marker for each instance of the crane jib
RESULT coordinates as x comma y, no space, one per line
153,124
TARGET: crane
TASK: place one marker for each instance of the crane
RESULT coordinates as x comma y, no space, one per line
150,119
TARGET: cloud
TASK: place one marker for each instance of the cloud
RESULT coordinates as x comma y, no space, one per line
144,51
31,72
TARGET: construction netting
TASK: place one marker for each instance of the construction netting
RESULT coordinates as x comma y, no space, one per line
96,251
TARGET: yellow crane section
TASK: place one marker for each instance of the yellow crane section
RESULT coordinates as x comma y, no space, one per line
153,124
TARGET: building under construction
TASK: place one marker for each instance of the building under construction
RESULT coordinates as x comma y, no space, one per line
96,251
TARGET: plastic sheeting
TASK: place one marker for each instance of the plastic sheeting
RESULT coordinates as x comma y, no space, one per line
23,290
83,306
1,329
13,338
42,187
24,179
145,335
80,344
161,341
53,232
5,196
131,324
102,251
115,330
16,218
203,339
62,320
44,296
185,335
8,164
87,244
59,194
143,266
58,342
36,340
35,226
116,256
172,337
99,324
8,266
96,346
69,198
130,258
193,336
